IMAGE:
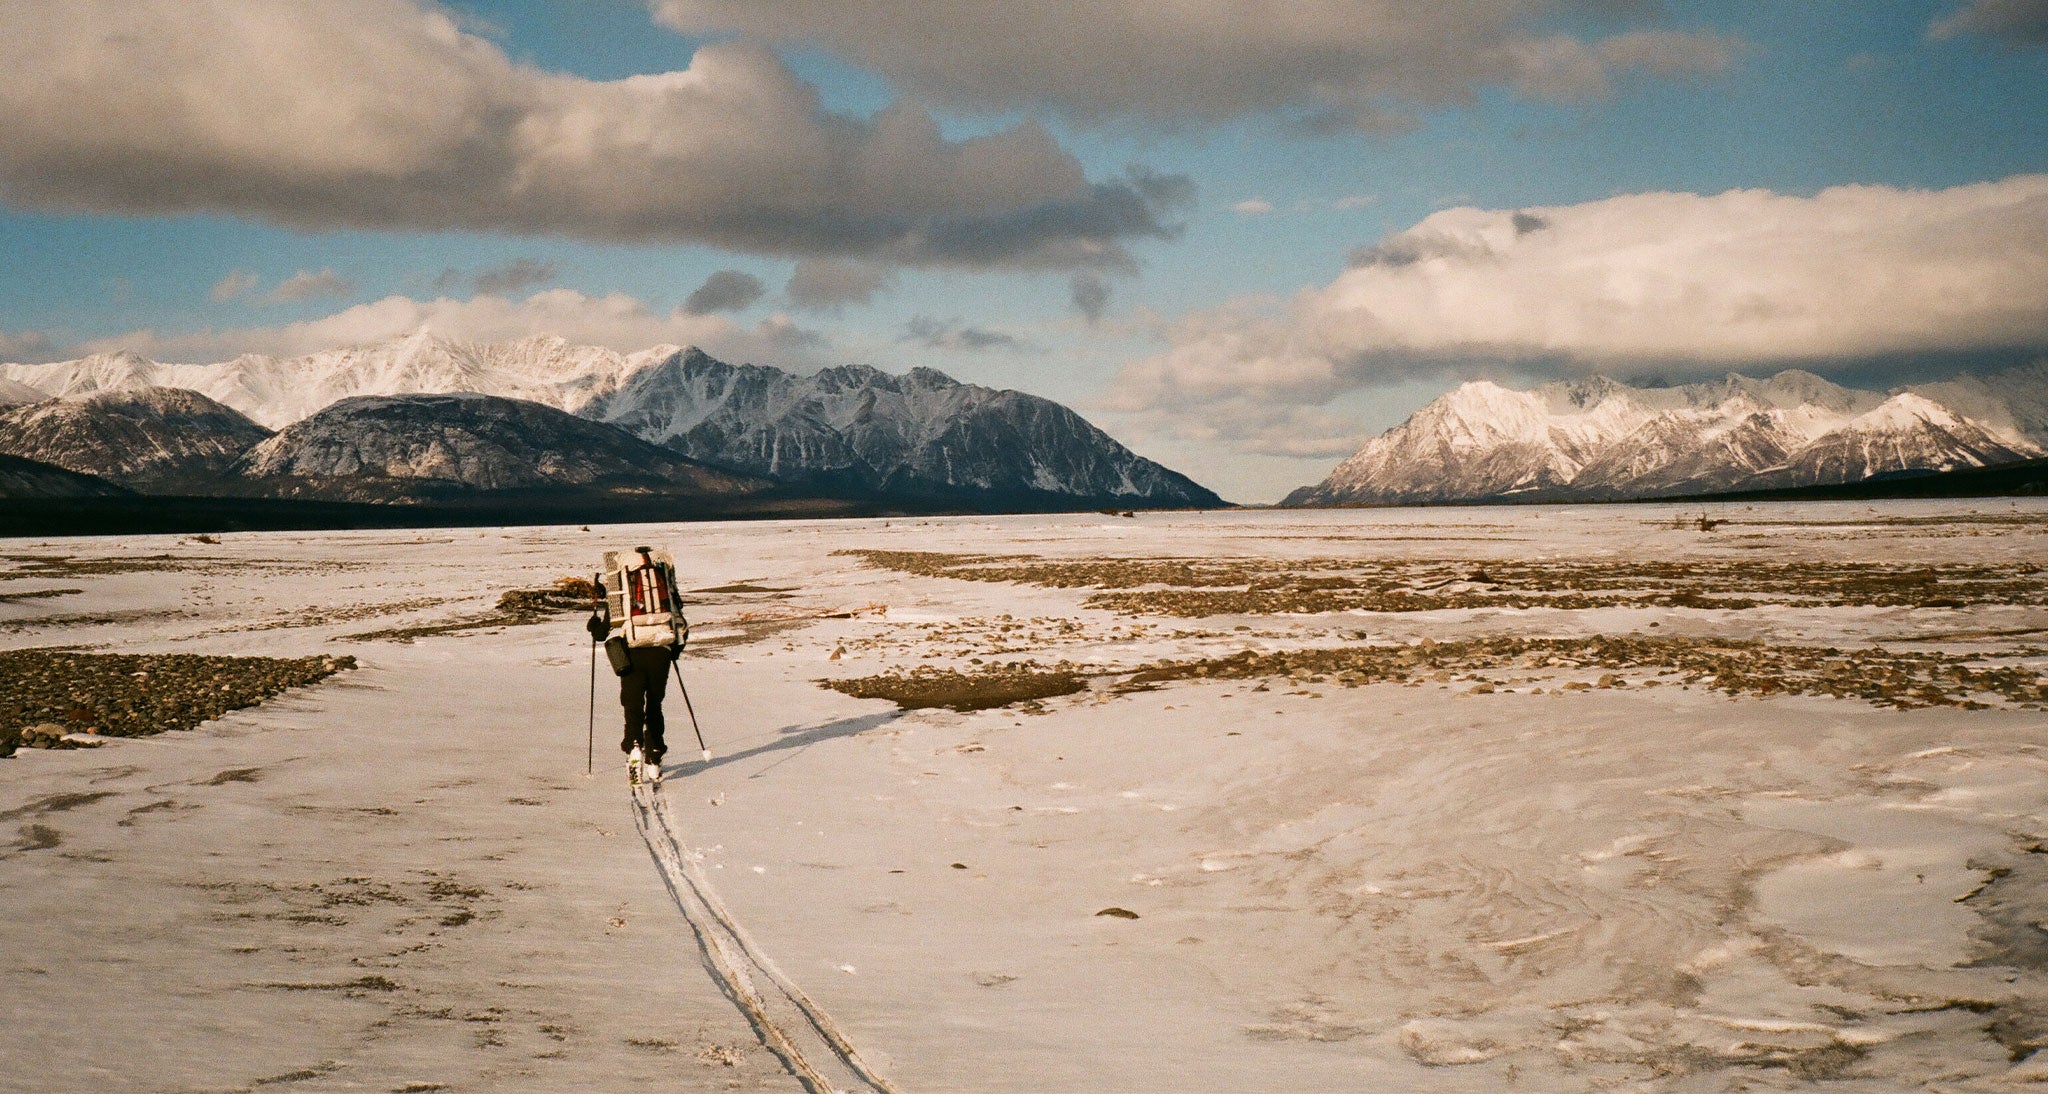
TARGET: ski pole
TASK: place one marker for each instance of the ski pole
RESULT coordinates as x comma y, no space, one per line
693,710
590,744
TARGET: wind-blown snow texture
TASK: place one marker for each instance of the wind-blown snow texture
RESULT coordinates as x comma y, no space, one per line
1599,439
402,878
921,434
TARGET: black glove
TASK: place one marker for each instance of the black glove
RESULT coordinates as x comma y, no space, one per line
597,627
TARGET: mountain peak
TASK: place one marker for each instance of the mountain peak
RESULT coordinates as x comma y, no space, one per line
1906,410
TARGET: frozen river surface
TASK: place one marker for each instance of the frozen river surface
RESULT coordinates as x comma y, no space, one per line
1784,827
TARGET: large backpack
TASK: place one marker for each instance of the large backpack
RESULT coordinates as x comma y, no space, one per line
641,597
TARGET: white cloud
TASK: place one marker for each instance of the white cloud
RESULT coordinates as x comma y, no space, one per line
233,285
307,285
1252,207
389,114
1350,202
615,320
1667,281
1359,63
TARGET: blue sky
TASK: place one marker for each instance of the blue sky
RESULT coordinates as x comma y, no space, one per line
1243,340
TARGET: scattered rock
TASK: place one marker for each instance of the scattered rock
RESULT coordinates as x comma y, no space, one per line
43,735
54,693
997,686
1118,913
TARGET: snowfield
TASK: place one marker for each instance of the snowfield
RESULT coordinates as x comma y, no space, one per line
1537,873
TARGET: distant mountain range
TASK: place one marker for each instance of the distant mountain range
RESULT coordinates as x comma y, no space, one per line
1597,439
705,428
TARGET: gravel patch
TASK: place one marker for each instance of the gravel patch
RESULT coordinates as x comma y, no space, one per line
135,695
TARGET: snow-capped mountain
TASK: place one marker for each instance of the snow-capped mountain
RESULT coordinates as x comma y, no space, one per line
1908,433
853,427
279,391
422,447
920,433
150,437
1600,439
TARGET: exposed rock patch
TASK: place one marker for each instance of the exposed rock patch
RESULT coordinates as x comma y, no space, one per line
135,695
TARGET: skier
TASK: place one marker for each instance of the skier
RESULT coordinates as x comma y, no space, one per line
642,606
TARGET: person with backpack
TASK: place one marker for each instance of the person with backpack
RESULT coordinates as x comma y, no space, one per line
643,631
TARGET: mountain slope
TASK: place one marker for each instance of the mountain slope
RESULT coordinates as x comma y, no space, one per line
15,393
1599,439
920,434
22,478
1907,433
153,437
441,447
2014,403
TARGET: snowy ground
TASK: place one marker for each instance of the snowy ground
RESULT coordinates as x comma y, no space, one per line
402,879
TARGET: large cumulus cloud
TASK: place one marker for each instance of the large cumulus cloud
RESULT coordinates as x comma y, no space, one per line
1334,62
388,114
1671,283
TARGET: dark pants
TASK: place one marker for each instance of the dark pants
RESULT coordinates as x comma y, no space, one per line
640,692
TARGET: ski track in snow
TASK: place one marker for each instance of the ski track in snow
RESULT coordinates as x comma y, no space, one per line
793,1027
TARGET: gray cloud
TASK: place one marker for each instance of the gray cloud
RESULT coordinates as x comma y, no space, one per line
402,119
233,285
30,347
725,290
516,276
1330,64
1090,293
954,335
827,285
307,285
2016,23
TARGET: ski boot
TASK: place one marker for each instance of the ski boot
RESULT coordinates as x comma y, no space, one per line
650,769
633,765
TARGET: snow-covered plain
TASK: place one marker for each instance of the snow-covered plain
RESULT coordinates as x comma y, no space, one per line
403,879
